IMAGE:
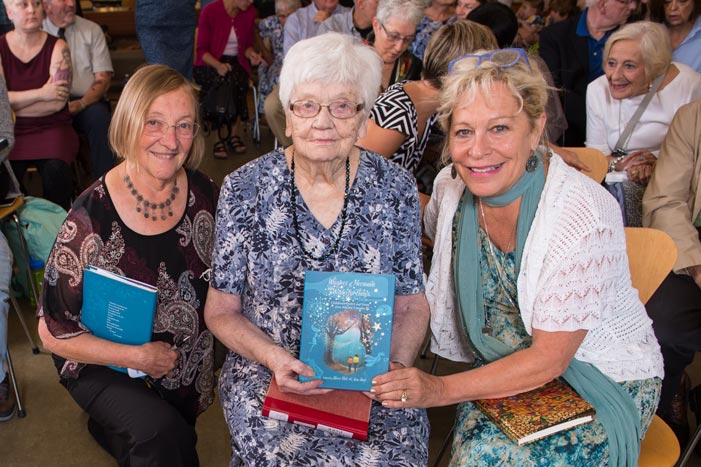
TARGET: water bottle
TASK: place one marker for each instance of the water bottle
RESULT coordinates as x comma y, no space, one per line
36,267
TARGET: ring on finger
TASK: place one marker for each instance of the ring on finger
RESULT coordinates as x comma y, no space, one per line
404,397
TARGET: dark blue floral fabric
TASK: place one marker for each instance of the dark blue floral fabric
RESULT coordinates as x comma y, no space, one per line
257,256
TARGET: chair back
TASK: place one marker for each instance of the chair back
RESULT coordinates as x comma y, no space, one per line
595,160
651,256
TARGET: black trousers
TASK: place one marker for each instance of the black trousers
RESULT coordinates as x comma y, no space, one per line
56,179
132,421
675,310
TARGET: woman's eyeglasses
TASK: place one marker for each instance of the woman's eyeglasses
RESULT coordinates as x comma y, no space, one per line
394,37
503,58
337,109
186,130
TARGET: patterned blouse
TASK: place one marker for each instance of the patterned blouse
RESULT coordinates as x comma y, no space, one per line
394,110
268,76
426,27
177,262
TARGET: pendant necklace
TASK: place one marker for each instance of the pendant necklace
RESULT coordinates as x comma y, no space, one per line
295,222
147,207
487,329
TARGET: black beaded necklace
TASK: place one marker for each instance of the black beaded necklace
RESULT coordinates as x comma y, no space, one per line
148,208
293,197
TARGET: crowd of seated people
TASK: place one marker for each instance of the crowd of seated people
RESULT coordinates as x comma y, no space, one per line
353,96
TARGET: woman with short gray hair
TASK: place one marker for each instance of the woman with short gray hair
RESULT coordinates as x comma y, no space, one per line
322,204
636,57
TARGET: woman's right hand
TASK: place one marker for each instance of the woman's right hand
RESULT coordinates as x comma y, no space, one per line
285,370
157,359
55,90
223,68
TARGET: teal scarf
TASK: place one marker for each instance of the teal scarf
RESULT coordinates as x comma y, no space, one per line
614,407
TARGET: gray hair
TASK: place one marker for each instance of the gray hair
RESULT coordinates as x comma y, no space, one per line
407,10
332,58
290,4
655,45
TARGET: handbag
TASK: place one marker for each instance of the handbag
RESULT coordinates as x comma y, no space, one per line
628,193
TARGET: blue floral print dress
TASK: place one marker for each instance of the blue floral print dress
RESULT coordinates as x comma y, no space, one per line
479,442
257,256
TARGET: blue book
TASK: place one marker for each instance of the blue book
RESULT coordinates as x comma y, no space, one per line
117,308
346,327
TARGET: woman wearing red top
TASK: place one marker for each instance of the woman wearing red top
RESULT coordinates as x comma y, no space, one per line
225,36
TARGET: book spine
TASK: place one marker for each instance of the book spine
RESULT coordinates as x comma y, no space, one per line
342,426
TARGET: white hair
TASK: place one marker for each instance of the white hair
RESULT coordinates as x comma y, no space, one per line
332,58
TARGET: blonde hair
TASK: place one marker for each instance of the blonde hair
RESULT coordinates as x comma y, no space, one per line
655,45
450,42
525,82
145,86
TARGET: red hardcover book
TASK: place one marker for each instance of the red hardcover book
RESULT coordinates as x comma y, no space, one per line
346,413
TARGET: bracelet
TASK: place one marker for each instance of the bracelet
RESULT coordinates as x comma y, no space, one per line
614,162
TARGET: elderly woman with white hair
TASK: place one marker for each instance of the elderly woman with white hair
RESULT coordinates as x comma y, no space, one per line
321,204
638,74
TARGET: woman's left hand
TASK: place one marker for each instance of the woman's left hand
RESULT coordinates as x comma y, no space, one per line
254,57
405,388
639,166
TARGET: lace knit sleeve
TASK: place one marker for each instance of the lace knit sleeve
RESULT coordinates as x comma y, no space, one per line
585,264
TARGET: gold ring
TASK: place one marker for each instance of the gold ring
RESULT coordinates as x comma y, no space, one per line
404,397
634,172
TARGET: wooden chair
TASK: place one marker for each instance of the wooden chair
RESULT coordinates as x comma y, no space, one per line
651,256
595,160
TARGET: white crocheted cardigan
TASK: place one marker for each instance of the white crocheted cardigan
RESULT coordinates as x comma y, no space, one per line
574,275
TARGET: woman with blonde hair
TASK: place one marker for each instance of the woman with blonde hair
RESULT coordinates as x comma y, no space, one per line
638,74
150,218
530,266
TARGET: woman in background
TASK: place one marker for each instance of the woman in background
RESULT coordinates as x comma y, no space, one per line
683,21
151,218
38,72
437,14
272,33
636,56
225,37
464,7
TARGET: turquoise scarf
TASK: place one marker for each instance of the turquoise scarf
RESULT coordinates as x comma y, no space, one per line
614,407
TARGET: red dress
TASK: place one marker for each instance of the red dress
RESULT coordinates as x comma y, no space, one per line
48,137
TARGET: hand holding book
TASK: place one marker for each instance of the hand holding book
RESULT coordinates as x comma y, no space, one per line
286,369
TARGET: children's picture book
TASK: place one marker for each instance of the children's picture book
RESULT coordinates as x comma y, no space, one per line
117,308
536,414
346,327
345,413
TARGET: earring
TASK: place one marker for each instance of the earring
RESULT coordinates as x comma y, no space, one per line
532,162
453,172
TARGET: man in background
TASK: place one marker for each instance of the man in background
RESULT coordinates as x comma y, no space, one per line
92,74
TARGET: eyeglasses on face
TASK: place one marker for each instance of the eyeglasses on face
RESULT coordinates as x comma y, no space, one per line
503,58
394,37
184,129
338,109
626,2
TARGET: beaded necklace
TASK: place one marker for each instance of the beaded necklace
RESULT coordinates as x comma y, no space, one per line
147,207
295,222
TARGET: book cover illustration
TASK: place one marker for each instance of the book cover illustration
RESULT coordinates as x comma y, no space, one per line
346,327
345,413
535,414
117,308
